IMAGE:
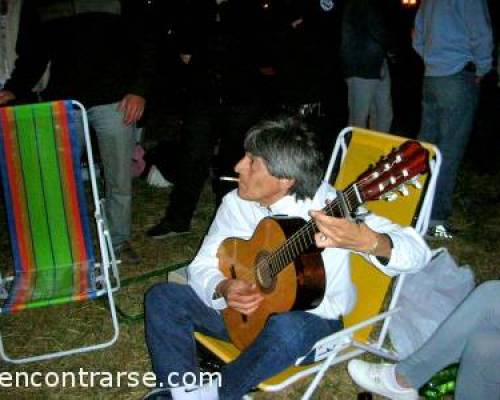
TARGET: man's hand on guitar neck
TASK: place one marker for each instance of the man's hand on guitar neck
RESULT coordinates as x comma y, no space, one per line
240,295
342,233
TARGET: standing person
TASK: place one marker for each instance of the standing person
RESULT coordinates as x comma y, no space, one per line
303,47
471,335
100,56
9,22
280,174
454,39
216,42
367,40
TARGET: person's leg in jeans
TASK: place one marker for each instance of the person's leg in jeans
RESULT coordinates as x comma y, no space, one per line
174,311
116,145
360,94
429,125
285,338
454,99
478,376
470,334
382,116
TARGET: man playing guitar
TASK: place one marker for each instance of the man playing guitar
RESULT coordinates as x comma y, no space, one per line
280,174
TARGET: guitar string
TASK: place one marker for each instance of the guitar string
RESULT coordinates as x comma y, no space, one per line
297,243
285,256
330,207
310,228
266,307
270,260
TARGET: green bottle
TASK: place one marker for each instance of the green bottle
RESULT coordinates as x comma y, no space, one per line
440,384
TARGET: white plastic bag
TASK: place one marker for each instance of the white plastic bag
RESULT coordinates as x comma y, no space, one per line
426,299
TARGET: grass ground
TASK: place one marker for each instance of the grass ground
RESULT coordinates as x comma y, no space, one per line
476,214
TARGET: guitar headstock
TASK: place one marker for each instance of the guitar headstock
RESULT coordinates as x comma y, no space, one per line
401,165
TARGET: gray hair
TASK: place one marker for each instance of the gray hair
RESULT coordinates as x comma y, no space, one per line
290,150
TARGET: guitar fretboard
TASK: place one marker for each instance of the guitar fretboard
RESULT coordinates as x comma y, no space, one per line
399,166
347,202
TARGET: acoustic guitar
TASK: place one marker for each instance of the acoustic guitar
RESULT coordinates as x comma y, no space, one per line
281,257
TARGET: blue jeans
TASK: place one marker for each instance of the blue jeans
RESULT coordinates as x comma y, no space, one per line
174,312
448,107
116,145
471,335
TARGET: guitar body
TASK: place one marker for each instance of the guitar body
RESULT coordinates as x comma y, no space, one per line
300,285
281,258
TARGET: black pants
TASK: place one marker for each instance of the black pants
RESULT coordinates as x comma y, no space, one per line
202,130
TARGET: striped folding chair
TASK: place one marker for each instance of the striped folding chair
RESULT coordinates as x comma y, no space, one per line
53,252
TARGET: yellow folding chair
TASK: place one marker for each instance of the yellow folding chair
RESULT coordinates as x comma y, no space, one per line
354,150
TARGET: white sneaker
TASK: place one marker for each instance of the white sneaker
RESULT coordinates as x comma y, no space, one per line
439,232
155,178
376,378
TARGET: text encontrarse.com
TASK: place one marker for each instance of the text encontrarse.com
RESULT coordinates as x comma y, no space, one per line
103,379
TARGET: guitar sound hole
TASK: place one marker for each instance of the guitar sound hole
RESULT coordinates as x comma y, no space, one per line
263,273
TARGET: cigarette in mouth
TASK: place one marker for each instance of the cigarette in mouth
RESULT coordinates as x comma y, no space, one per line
229,178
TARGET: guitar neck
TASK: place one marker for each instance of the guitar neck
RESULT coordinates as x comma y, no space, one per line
342,206
393,170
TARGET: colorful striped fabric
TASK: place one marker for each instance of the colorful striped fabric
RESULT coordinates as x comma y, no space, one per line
46,206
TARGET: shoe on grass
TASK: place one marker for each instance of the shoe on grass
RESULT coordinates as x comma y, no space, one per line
156,179
126,253
164,229
439,232
379,379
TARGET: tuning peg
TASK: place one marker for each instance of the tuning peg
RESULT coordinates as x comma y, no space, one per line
403,189
374,175
390,196
415,182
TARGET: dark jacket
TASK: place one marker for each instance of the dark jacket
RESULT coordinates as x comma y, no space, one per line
99,50
367,37
224,43
306,57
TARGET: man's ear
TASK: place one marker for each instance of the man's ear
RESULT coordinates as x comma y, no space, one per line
287,183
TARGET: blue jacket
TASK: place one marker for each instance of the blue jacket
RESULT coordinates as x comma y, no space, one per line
451,33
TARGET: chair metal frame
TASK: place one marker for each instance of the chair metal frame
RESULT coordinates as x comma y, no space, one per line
106,272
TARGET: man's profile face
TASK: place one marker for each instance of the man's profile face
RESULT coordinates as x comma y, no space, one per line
256,182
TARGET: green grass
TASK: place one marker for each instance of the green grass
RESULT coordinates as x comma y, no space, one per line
476,214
